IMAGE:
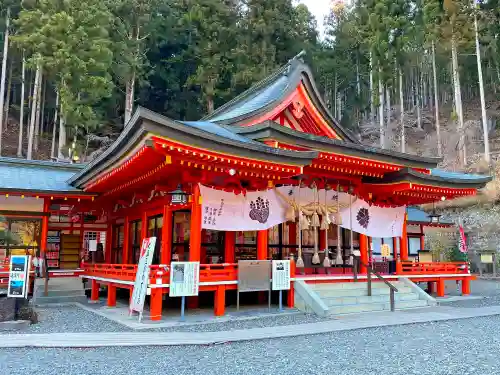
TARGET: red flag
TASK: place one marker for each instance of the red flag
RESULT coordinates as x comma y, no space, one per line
462,244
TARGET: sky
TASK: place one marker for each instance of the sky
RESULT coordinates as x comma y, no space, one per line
319,8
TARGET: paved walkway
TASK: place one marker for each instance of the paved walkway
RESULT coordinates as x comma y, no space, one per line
343,323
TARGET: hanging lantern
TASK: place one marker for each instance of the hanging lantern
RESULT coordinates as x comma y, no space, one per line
178,196
434,216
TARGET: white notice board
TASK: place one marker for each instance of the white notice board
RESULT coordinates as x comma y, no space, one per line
92,245
184,279
281,274
142,275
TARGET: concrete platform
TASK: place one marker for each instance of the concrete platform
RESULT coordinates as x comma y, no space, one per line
171,317
350,322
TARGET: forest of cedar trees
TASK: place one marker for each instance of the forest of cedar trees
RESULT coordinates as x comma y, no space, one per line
398,73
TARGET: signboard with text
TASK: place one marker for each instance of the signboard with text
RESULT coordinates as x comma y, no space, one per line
142,275
184,279
18,276
281,275
254,275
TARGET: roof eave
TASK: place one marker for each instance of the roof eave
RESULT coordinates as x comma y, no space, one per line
410,175
269,129
146,122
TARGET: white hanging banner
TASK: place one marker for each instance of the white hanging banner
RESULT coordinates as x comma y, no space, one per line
257,210
305,196
374,221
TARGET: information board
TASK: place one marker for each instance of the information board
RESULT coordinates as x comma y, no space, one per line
254,275
19,276
487,258
142,275
281,275
184,279
92,245
385,250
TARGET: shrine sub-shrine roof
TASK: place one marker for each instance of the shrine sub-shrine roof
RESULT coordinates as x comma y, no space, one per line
19,175
416,216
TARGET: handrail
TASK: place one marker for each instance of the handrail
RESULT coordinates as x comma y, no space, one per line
371,271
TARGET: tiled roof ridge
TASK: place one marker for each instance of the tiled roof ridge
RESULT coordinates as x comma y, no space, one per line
283,70
41,163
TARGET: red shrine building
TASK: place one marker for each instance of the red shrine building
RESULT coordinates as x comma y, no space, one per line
147,183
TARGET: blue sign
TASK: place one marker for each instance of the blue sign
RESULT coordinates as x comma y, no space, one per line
18,276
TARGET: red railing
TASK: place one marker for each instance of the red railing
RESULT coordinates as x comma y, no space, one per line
126,272
431,268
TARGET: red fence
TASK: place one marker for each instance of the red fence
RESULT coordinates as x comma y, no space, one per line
432,268
209,273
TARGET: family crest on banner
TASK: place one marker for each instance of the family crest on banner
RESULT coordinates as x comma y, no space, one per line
374,221
260,210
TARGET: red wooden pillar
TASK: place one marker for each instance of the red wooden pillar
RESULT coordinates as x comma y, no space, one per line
144,226
395,248
465,286
109,241
111,295
220,300
440,287
403,243
94,294
292,234
82,231
422,237
262,253
363,249
45,226
166,235
291,293
195,236
430,287
126,241
155,304
262,248
229,247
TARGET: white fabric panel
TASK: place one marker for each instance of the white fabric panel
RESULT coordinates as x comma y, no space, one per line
254,211
374,221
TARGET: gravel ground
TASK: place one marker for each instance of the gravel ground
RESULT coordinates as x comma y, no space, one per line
464,347
484,302
70,319
488,289
269,321
76,319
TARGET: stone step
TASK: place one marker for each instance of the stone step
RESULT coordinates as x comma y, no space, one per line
60,293
369,307
354,285
401,305
381,298
325,293
60,283
40,301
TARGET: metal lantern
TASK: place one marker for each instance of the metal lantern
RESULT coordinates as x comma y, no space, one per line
178,196
434,217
